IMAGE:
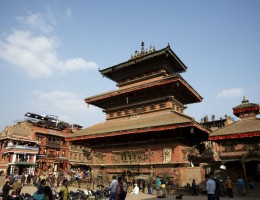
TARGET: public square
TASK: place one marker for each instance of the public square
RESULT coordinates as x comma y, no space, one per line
141,196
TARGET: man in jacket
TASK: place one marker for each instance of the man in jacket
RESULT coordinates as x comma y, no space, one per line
112,189
211,187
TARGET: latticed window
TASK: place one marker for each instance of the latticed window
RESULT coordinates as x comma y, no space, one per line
162,105
118,113
251,146
127,112
229,148
152,107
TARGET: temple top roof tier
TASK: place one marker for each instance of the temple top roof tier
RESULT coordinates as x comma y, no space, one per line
144,62
246,109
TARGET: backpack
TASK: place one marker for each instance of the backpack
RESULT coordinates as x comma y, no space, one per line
122,194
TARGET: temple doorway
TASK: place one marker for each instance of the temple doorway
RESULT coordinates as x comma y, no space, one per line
253,170
234,169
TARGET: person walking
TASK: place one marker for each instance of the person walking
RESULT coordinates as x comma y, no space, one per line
112,188
241,185
157,184
229,186
38,194
163,186
64,193
47,193
217,191
211,187
53,179
69,178
23,179
194,188
120,192
28,180
58,181
6,189
124,185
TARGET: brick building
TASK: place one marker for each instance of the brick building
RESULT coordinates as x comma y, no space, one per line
18,149
239,143
146,132
36,144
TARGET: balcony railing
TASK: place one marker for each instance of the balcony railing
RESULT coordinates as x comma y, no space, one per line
24,147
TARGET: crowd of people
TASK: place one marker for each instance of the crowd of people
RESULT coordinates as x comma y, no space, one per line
43,191
214,187
118,187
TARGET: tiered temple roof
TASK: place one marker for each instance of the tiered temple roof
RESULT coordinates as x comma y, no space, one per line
248,126
150,98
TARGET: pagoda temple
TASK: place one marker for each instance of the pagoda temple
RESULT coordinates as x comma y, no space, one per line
239,143
146,132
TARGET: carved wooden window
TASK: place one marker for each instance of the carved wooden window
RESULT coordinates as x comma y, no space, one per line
118,114
251,146
162,105
127,112
229,148
141,110
152,107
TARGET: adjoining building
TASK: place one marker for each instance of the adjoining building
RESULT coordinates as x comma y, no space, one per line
146,132
239,143
37,145
215,123
18,149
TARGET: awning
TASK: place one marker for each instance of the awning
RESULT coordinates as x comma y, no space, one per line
25,163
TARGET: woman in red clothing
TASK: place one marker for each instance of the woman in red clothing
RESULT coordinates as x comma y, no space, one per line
120,193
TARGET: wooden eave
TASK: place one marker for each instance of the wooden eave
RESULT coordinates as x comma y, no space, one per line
137,131
240,129
169,55
98,99
51,134
235,136
255,108
23,139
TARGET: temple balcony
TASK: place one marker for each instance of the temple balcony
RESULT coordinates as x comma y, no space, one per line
22,147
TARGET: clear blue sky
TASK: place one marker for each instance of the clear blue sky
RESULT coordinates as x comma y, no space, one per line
50,52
